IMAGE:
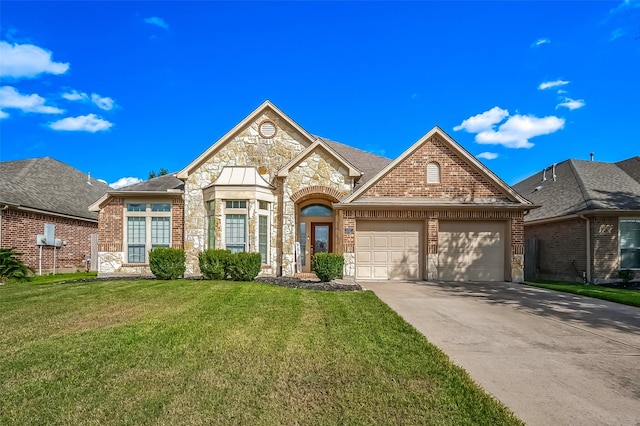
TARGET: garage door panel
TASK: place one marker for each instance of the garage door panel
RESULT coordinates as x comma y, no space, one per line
471,251
392,250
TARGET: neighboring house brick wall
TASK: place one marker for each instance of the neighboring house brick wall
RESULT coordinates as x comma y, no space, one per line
20,230
604,245
561,249
457,178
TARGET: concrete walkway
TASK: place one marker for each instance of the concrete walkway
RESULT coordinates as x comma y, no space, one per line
553,358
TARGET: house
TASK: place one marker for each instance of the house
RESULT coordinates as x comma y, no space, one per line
271,187
44,191
588,225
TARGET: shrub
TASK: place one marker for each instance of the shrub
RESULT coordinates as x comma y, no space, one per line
328,266
626,275
11,266
167,263
244,266
214,264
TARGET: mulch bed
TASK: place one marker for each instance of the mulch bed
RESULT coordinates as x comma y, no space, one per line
308,284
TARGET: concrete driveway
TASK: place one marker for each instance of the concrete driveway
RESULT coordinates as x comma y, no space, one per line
553,358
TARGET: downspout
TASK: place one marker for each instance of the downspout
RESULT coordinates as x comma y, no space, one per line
588,247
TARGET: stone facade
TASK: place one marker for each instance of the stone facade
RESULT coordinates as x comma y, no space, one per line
20,228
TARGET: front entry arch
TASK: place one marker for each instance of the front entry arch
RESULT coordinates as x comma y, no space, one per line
315,231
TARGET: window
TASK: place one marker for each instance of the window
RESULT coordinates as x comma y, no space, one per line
316,210
148,226
263,205
236,232
211,215
629,243
262,237
236,204
433,173
136,239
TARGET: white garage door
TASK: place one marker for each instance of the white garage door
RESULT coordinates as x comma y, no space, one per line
388,250
471,251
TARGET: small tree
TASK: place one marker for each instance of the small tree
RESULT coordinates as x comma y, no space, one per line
11,266
626,275
167,263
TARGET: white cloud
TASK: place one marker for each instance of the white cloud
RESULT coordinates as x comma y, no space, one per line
562,91
615,34
488,155
3,115
154,20
549,84
104,103
624,5
74,95
571,103
484,121
28,61
518,129
83,123
542,41
10,98
125,181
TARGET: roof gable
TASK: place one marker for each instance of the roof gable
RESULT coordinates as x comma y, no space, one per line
247,121
319,145
30,183
466,179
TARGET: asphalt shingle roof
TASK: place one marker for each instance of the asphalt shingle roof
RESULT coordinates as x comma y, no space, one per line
581,186
369,164
161,183
49,185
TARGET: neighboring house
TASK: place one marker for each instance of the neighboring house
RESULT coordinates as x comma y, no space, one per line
41,191
588,225
269,186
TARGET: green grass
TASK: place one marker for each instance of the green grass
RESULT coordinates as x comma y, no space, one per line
51,278
203,352
618,295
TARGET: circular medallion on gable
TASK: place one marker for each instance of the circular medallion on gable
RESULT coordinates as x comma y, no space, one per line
267,129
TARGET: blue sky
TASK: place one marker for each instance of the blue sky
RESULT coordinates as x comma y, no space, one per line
118,89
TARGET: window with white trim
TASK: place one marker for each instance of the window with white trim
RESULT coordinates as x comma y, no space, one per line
629,243
236,232
433,173
148,225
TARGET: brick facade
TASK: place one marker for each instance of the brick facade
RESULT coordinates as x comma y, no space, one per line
20,229
458,180
604,248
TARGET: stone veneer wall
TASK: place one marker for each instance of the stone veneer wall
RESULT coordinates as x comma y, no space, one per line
514,219
458,180
247,149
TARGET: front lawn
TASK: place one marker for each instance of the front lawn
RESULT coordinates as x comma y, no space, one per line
202,352
618,295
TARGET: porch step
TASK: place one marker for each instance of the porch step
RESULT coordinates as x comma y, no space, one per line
306,275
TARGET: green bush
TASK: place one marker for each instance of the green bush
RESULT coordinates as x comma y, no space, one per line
328,266
626,275
11,266
214,264
244,266
167,263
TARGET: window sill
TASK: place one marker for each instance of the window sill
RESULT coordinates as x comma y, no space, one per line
132,265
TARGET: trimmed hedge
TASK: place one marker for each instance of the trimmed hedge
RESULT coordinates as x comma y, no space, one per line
244,266
214,264
167,263
328,266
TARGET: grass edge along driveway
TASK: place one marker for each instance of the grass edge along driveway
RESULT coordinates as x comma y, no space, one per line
203,352
618,295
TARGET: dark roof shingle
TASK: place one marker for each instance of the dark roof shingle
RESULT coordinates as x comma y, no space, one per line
49,185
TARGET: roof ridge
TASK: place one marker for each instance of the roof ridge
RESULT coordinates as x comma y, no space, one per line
583,189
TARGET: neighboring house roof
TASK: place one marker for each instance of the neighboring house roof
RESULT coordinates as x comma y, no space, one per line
512,197
580,187
49,185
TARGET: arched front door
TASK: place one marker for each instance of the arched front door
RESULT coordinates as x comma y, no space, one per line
315,232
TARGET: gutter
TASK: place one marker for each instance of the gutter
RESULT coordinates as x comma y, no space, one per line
588,247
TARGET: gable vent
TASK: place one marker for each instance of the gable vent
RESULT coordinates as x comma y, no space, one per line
433,173
267,129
